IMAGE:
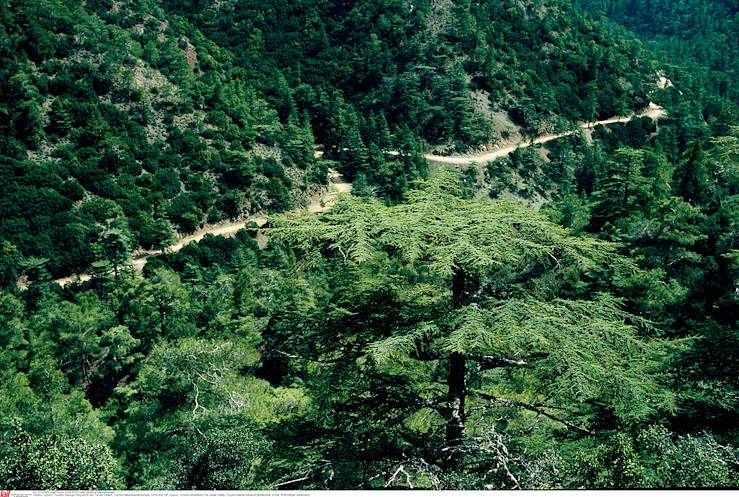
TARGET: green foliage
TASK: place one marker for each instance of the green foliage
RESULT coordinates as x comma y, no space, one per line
653,458
54,463
220,455
686,461
443,231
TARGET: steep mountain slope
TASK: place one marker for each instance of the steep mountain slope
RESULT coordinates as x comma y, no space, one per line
687,35
128,121
118,131
695,25
417,62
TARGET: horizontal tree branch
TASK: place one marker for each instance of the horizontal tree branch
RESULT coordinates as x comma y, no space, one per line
532,408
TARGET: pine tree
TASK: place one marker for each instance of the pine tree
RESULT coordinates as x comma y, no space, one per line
693,181
385,138
621,187
354,153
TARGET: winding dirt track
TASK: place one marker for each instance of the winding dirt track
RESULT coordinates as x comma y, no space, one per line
319,203
653,111
338,184
141,256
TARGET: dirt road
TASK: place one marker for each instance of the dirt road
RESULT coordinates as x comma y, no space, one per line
653,111
319,203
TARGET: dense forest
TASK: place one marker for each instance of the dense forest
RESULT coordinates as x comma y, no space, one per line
564,316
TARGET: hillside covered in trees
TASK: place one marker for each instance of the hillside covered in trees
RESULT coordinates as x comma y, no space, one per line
563,316
127,123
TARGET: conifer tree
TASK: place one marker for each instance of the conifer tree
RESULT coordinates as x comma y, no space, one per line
494,288
354,151
621,186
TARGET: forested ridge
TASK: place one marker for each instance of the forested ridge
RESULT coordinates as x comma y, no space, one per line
563,316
